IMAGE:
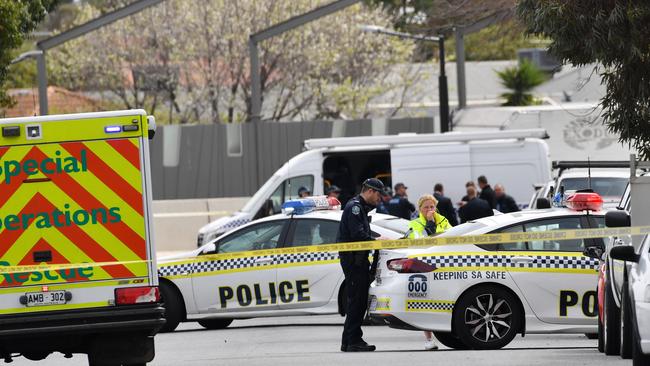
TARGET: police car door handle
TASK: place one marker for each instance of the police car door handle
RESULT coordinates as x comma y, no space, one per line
522,259
263,260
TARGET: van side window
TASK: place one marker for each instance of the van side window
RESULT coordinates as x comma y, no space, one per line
289,190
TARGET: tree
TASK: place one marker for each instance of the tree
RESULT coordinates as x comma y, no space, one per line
193,60
17,20
614,34
520,79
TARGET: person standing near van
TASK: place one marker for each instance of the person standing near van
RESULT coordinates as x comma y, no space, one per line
505,203
475,208
487,193
355,226
386,196
428,223
444,206
399,205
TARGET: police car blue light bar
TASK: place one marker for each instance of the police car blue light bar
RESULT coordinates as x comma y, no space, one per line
309,204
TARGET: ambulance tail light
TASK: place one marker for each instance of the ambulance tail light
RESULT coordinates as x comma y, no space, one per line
581,201
137,295
409,265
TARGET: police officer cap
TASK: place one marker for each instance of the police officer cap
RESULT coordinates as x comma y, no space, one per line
375,184
303,189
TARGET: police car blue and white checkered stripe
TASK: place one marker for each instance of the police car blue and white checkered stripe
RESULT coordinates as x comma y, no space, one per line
241,263
429,305
505,261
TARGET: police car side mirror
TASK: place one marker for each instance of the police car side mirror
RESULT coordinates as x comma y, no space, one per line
210,248
617,219
624,253
595,252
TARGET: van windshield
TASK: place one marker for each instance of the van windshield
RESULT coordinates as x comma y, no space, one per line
260,196
604,186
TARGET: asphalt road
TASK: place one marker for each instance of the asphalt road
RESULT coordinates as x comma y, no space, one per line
315,340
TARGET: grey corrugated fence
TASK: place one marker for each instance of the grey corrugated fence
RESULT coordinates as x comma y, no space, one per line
203,161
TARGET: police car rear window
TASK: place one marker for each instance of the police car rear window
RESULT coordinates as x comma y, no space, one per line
463,229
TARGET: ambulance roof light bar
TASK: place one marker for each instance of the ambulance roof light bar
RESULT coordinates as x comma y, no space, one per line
306,205
581,201
425,138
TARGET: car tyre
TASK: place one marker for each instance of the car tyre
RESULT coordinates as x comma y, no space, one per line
215,323
487,317
638,358
450,340
611,323
173,305
601,336
626,325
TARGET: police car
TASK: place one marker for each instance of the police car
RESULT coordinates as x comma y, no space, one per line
481,296
198,287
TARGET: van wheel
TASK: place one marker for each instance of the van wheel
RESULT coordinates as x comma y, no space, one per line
611,323
450,340
626,325
173,307
487,317
215,323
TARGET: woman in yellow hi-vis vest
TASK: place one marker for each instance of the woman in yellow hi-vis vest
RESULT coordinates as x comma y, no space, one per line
428,223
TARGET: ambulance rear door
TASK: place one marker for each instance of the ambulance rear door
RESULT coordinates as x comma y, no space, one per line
74,210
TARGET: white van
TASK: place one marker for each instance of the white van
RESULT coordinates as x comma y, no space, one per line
517,159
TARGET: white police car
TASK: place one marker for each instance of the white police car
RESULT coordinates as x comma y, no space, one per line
481,296
198,287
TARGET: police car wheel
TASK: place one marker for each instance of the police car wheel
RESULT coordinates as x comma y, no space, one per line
450,340
487,317
601,336
611,328
215,323
173,305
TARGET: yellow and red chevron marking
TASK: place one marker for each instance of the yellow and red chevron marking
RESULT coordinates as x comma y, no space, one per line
108,194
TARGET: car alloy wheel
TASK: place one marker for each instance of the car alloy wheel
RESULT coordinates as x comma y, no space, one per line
487,317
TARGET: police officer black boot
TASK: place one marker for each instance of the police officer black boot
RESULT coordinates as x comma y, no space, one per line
360,347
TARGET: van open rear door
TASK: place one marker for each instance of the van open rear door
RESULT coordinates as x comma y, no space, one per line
420,167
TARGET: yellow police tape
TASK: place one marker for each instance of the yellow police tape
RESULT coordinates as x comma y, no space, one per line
483,239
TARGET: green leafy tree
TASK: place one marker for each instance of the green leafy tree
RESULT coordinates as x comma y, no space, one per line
614,34
520,79
17,19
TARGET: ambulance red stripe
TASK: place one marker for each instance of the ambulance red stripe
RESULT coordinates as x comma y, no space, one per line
108,176
129,151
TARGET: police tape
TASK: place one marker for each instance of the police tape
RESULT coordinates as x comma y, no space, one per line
482,239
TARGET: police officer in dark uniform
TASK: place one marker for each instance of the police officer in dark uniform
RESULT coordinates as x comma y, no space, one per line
355,226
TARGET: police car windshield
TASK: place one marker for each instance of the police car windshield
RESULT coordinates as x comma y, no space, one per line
395,224
463,229
604,186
